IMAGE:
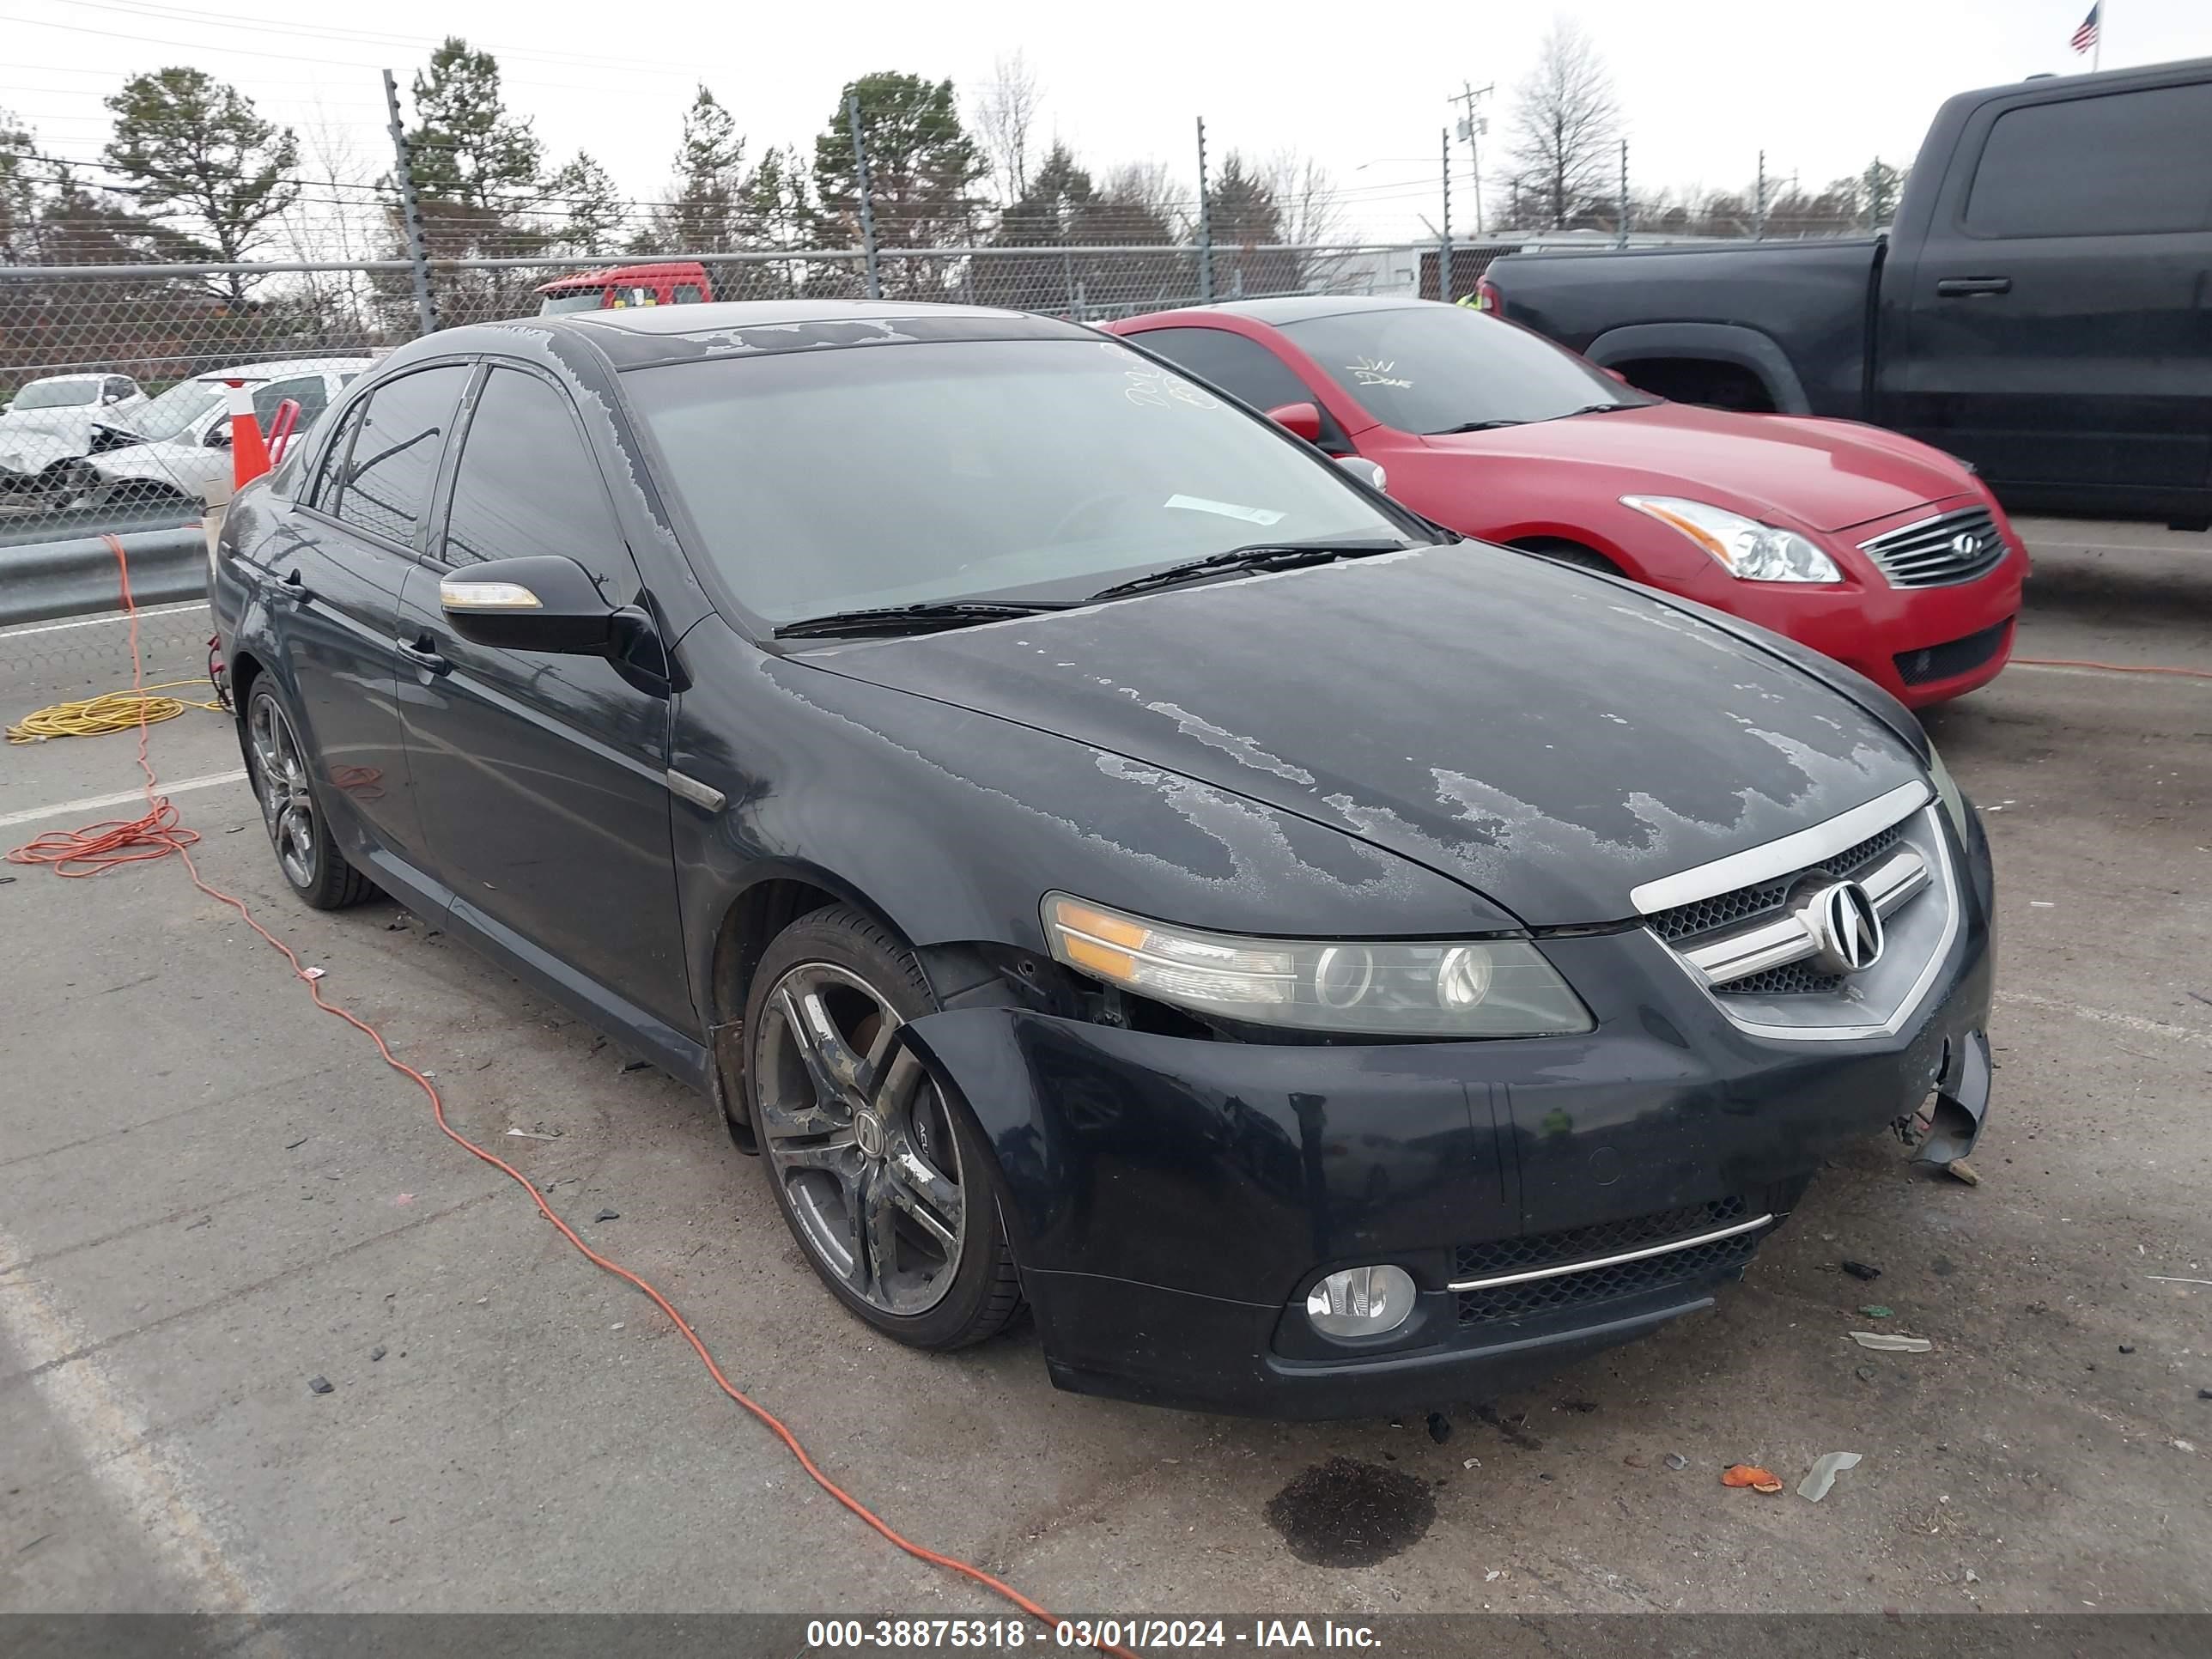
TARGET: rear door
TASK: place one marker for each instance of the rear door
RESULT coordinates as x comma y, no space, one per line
334,582
544,779
2060,324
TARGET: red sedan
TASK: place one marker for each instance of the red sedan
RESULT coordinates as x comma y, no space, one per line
1879,552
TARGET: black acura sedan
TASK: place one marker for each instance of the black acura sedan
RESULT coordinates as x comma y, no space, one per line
1101,855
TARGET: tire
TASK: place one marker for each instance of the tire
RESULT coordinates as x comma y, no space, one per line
883,1178
277,765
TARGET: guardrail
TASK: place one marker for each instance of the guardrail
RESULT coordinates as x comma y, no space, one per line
42,580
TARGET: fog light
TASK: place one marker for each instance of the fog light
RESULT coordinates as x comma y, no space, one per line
1361,1302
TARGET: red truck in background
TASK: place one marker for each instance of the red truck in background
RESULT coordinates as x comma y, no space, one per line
677,282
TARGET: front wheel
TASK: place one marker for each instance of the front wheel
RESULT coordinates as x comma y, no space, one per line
887,1185
276,766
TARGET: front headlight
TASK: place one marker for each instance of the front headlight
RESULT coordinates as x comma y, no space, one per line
1746,549
1439,988
1947,791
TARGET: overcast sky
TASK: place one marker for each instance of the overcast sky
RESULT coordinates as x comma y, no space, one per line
1823,85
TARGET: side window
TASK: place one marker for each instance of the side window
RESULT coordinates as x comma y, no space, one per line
1243,368
689,293
394,458
2127,163
528,485
323,493
119,387
308,391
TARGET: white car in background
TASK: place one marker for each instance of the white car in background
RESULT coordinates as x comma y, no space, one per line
48,423
175,449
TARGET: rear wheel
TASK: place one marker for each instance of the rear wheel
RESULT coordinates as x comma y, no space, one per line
277,764
883,1180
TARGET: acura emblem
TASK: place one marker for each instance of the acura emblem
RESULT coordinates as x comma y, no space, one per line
1966,545
1844,926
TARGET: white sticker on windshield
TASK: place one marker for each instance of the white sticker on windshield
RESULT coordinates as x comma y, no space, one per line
1226,509
1370,371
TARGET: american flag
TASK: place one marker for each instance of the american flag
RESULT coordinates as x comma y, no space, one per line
2085,37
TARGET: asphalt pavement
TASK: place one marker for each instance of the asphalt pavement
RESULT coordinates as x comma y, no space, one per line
212,1193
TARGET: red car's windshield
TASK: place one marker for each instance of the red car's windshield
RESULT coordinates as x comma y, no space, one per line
1444,369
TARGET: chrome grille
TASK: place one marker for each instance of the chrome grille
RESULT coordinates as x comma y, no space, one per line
1951,548
1696,1268
1688,921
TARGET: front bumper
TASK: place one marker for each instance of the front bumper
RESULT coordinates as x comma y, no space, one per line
1173,1200
1922,645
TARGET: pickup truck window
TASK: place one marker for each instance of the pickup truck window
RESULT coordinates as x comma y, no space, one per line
1435,369
2120,164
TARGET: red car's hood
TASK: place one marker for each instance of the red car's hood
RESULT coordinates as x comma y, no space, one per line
1823,475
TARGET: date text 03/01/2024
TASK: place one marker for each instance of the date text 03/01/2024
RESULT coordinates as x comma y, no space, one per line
1094,1633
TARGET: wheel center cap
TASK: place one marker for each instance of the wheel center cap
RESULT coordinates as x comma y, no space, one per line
868,1134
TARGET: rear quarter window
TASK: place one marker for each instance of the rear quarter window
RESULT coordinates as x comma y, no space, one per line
2124,163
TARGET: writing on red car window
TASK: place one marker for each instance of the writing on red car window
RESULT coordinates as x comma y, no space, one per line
1369,371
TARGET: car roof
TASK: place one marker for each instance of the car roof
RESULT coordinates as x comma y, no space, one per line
285,366
636,335
1305,307
621,273
87,374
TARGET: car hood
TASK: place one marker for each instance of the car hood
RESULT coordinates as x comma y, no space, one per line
1820,475
32,428
187,465
1547,738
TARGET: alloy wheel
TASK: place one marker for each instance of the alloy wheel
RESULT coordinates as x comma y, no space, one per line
860,1139
280,778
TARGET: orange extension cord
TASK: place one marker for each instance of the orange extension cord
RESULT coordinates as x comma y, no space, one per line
2113,668
100,847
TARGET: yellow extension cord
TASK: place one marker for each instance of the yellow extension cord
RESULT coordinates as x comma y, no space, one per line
111,711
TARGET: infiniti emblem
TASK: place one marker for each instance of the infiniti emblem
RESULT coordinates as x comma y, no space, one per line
1966,545
1844,926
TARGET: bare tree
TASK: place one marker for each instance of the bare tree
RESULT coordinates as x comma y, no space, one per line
1566,121
1006,112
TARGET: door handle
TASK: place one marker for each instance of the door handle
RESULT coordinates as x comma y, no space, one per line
1953,287
295,589
422,652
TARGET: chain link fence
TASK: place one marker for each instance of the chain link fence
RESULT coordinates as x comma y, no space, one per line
110,425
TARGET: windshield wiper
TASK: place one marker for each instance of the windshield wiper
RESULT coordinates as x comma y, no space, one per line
1471,426
1597,409
1265,555
912,618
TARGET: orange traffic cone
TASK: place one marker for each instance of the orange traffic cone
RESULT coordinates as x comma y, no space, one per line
249,454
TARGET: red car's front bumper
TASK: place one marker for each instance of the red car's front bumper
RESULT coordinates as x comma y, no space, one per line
1922,645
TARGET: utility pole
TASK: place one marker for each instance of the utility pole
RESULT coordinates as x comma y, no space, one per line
1444,236
1621,238
418,253
1759,200
1204,225
1471,126
867,209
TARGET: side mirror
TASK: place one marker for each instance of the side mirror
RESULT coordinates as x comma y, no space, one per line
1299,420
1618,375
544,604
1370,473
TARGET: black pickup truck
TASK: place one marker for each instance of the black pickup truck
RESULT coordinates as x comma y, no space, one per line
2042,307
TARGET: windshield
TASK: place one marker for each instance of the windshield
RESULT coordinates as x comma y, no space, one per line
175,410
576,299
858,477
56,394
1432,367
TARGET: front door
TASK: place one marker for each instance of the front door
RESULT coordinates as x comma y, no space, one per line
334,580
2060,321
542,779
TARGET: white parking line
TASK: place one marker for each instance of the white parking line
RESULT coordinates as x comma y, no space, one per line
2135,1022
113,1436
122,797
112,616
